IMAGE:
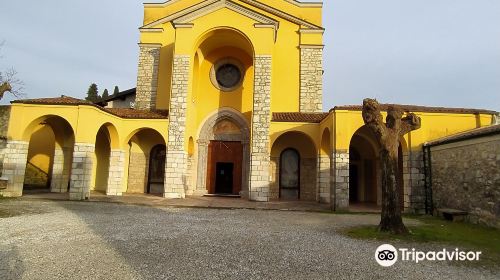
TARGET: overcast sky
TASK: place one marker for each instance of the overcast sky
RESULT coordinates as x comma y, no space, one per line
427,52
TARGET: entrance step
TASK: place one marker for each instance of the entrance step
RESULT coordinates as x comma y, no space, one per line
223,195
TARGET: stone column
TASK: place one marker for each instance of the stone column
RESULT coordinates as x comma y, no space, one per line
116,172
311,79
81,171
15,156
147,76
176,160
261,118
324,179
341,166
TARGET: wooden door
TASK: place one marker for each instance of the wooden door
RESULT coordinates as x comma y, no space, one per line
224,163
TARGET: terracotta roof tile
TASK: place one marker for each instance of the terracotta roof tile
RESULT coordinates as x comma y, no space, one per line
119,112
417,108
128,113
63,100
299,117
474,133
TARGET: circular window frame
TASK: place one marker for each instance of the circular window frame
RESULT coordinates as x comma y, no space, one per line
220,63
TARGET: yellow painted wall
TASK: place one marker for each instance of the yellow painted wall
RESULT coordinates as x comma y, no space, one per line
41,148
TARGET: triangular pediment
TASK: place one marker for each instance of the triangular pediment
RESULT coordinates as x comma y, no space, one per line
206,7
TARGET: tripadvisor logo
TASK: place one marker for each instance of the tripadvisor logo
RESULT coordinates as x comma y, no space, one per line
387,255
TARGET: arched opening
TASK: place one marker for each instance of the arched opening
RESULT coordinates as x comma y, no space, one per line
365,189
324,175
223,71
223,154
156,179
289,174
50,155
145,153
102,155
293,160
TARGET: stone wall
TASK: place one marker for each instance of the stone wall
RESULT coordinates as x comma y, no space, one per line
311,79
81,171
308,179
4,123
341,179
261,118
147,76
176,170
14,167
138,173
466,176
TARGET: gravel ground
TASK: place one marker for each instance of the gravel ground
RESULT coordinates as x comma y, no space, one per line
84,240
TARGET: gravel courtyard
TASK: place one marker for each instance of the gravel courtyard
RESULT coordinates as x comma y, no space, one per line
88,240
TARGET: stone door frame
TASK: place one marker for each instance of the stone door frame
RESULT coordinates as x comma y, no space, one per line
206,135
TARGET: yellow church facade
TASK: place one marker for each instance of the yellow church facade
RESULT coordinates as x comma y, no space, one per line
228,102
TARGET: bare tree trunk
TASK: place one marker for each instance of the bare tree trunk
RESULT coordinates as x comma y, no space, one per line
388,135
391,220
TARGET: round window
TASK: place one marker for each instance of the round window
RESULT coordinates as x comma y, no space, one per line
227,74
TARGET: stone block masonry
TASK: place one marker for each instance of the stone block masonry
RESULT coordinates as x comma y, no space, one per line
116,172
466,176
261,118
324,179
61,169
81,171
14,166
311,79
176,166
147,76
341,179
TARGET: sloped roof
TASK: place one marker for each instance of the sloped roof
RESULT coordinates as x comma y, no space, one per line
125,113
299,117
417,108
474,133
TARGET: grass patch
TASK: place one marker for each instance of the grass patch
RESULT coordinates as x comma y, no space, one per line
434,230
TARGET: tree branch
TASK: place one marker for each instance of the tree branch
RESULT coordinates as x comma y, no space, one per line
409,123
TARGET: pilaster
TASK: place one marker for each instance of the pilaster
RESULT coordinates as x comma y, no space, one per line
311,79
260,158
81,171
15,155
147,76
116,172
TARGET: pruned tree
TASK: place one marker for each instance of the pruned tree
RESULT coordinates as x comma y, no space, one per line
10,83
116,91
92,93
105,94
388,135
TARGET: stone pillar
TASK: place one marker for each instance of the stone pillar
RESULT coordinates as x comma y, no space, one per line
116,172
261,118
61,169
15,156
201,178
324,179
417,181
176,176
147,76
341,166
311,79
81,171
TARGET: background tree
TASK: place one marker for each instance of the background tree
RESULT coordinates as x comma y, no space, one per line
105,94
92,93
116,90
9,82
388,135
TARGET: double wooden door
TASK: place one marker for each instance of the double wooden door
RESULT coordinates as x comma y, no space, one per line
224,167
